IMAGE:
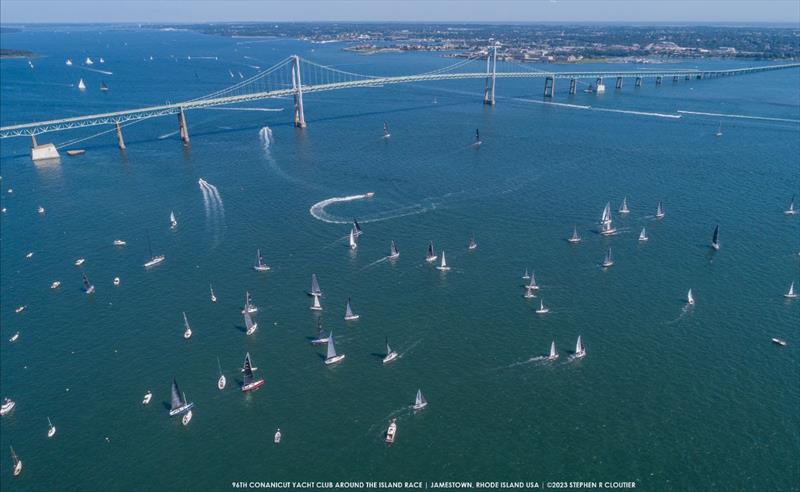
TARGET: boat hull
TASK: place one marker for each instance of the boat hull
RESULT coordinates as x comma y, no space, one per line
390,357
252,386
352,318
181,409
334,360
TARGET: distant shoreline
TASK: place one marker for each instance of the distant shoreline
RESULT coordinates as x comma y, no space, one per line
7,54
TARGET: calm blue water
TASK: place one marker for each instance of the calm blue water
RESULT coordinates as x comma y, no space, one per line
669,397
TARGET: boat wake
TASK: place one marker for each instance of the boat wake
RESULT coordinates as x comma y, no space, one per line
167,135
318,209
740,116
104,72
385,258
265,134
215,209
538,358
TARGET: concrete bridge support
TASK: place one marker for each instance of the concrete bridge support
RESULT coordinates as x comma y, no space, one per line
491,76
687,76
120,140
675,79
297,85
658,80
638,82
599,87
184,129
619,83
573,85
699,76
549,86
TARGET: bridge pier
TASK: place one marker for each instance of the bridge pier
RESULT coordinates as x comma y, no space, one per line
687,76
619,83
549,86
675,79
600,87
638,81
184,130
699,76
658,80
33,140
491,77
120,140
42,152
573,85
297,85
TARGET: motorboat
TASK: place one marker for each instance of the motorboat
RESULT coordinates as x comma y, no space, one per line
7,406
391,432
147,397
14,337
119,242
79,262
116,281
778,341
55,285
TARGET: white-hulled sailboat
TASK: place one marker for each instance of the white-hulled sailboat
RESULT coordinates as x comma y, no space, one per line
623,209
553,353
349,315
575,238
431,256
250,326
316,306
259,265
315,290
580,350
187,332
213,296
249,307
352,239
178,405
390,354
532,285
791,294
660,210
715,239
88,61
443,265
542,309
386,133
419,402
51,429
154,259
322,338
393,252
81,85
606,227
16,467
643,235
173,224
68,62
526,275
250,382
222,381
332,357
791,210
472,245
690,298
87,286
607,261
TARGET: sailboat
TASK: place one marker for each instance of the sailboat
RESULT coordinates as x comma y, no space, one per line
17,467
660,210
248,323
321,337
249,307
357,228
643,235
178,405
68,62
187,417
101,60
353,244
51,429
719,130
623,209
391,432
472,244
715,239
529,293
580,350
187,332
260,266
553,353
103,87
443,265
690,298
221,382
420,402
154,259
477,137
791,294
277,437
316,306
532,285
87,287
526,275
81,85
315,290
332,357
431,256
791,210
607,261
386,133
393,252
606,228
542,309
390,354
250,382
349,315
575,238
213,296
88,61
173,224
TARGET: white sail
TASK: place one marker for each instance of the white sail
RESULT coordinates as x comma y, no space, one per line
420,402
580,351
315,290
444,261
248,323
643,235
623,209
348,312
659,210
791,210
575,237
81,85
353,244
331,347
690,297
606,217
316,306
791,294
553,352
393,252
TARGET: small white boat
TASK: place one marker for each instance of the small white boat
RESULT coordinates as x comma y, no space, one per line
87,286
155,260
68,62
316,306
419,401
79,262
580,350
173,224
386,133
715,239
221,382
352,239
56,284
250,326
643,235
553,353
213,297
332,357
19,309
17,466
40,209
116,281
532,285
369,194
390,354
472,245
393,252
119,242
690,298
7,406
250,382
178,405
187,332
277,438
431,256
791,294
526,275
443,265
14,337
88,61
81,85
623,209
147,397
51,429
259,265
778,341
575,238
542,309
719,130
791,210
660,211
101,60
29,254
391,432
608,260
187,417
349,315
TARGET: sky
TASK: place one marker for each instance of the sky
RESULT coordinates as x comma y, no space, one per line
87,11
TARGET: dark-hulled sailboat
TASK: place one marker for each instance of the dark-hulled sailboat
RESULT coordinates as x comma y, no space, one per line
250,382
178,402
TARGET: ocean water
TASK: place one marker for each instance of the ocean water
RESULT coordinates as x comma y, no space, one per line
671,397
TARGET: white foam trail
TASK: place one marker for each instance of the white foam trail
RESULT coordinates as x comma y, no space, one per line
215,197
167,135
537,358
206,201
639,113
318,209
385,258
740,116
104,72
266,136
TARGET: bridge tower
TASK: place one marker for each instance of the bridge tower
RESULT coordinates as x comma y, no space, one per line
120,140
297,86
491,76
619,83
638,81
573,86
184,129
549,86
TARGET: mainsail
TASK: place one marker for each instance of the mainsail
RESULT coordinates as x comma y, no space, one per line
419,400
430,250
348,313
393,250
623,209
315,286
176,396
248,370
331,348
248,322
388,348
715,238
579,346
86,284
553,352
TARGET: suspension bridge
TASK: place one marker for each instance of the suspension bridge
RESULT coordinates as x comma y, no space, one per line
295,76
